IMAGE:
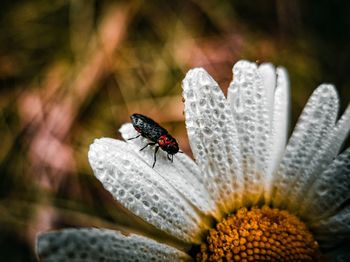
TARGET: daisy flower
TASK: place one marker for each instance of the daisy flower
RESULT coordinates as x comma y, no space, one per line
249,196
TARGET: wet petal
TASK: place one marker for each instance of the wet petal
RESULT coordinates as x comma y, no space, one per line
252,117
332,143
315,123
268,75
213,138
333,230
183,174
330,190
330,146
140,189
340,133
279,127
91,244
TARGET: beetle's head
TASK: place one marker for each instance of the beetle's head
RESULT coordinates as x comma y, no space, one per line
168,144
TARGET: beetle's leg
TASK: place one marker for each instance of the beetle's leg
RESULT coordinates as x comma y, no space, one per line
155,156
149,144
172,158
134,137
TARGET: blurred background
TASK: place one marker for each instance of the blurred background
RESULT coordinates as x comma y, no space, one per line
72,71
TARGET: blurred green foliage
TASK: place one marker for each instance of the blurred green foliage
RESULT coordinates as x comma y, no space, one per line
71,71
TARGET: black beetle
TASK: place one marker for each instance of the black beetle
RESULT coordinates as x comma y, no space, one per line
158,135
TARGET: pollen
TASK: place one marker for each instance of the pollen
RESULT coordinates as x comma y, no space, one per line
259,234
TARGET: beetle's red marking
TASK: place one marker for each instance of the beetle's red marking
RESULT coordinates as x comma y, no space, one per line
164,141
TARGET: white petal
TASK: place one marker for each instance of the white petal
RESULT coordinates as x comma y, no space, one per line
330,146
248,102
330,190
315,123
268,74
280,125
91,244
213,138
334,141
183,174
334,229
140,189
341,131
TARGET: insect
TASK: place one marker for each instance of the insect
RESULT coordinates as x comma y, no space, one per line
158,136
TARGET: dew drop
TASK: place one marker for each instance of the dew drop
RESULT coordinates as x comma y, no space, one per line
155,197
126,163
238,104
211,101
208,131
155,210
193,106
190,94
322,190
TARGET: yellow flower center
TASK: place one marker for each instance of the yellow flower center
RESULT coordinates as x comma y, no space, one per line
259,234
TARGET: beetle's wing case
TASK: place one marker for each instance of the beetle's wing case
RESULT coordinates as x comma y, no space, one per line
147,127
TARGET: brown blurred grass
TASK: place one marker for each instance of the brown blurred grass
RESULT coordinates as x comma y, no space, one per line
72,71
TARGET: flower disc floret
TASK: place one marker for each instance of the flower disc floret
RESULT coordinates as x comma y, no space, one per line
259,234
